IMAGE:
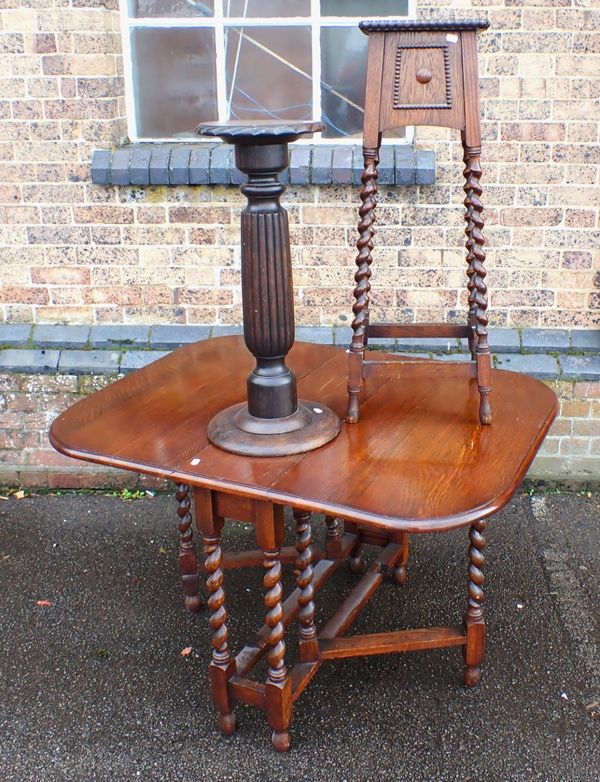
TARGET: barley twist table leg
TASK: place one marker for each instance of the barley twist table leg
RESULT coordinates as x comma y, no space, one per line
188,561
278,686
308,646
474,651
221,666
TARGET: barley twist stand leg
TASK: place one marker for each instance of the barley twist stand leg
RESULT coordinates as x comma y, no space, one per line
360,308
479,292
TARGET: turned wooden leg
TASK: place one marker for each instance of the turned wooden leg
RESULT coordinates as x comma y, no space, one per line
399,571
333,538
355,560
279,686
474,651
222,667
308,646
188,561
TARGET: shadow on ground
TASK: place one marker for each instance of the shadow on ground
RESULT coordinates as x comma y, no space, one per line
94,687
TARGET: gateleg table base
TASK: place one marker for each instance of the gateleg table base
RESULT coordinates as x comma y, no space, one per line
230,676
417,461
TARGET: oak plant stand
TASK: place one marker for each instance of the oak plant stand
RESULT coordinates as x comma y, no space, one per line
421,73
416,460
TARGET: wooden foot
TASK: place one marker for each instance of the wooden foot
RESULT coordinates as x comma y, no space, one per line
227,723
485,408
281,740
352,412
472,676
188,561
474,651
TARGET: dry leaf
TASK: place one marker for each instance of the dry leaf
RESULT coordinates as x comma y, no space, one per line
186,652
18,495
43,603
2,497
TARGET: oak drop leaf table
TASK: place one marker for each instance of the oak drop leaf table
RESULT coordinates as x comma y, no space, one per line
418,460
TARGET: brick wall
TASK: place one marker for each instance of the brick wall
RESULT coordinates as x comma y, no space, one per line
77,253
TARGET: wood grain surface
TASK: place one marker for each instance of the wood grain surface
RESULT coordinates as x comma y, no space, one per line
417,460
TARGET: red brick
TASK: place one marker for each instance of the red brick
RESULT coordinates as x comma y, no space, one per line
580,218
60,275
587,390
533,131
23,295
33,479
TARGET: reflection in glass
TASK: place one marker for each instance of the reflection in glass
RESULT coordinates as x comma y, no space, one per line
174,79
266,8
269,73
343,78
170,8
343,73
364,10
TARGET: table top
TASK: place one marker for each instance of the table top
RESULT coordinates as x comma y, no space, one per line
418,460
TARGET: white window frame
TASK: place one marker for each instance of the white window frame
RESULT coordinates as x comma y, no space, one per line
218,22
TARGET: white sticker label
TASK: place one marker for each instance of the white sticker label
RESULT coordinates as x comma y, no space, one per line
194,462
451,38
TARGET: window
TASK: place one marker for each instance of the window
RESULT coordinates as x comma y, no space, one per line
189,61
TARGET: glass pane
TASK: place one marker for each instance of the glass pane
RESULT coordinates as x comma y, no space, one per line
264,8
173,79
364,10
343,74
170,8
343,78
269,72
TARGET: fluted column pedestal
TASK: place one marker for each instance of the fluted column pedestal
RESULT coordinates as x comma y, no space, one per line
273,422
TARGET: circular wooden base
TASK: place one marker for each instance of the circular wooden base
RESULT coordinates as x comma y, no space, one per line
311,426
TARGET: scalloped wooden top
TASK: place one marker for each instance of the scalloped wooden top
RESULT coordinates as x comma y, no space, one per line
418,460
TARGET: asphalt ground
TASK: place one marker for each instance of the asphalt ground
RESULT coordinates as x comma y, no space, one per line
93,686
